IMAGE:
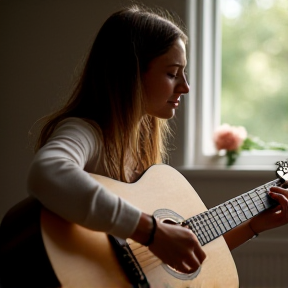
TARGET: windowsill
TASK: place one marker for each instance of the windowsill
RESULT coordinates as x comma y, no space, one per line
248,164
234,172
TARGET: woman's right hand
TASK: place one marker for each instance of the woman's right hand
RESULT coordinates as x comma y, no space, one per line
178,247
175,245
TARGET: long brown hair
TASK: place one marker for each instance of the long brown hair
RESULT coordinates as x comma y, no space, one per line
110,90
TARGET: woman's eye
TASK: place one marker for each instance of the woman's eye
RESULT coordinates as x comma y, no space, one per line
171,75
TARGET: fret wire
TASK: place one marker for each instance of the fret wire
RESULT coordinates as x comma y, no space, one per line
219,226
199,236
241,208
226,225
208,223
208,238
214,210
226,217
219,220
232,218
261,200
234,213
251,204
211,221
222,219
200,226
239,204
236,205
211,226
236,210
244,210
199,232
252,197
248,217
192,227
202,221
260,197
206,227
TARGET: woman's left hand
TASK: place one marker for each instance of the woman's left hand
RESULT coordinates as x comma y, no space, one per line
273,217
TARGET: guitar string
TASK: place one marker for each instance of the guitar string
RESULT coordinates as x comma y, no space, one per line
147,260
227,220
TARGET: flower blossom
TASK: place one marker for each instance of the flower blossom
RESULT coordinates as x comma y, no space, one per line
229,137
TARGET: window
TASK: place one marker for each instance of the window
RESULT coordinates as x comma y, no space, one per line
202,108
255,67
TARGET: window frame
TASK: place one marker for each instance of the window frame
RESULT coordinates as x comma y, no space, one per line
201,111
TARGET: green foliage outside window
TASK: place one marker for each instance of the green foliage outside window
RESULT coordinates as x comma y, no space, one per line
255,67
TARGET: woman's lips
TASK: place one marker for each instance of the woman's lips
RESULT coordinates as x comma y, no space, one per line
174,103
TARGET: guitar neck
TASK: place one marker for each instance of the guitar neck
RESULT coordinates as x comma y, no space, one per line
218,220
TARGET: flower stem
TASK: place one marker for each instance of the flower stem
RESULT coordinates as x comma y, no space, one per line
231,157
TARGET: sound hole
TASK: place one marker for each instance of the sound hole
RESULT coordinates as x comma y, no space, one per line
170,217
169,221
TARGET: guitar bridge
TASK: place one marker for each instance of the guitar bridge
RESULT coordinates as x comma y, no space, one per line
129,263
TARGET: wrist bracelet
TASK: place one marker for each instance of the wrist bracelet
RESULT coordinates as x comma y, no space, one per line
151,237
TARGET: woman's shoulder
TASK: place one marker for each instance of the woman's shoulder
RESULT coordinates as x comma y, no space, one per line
78,122
83,136
79,125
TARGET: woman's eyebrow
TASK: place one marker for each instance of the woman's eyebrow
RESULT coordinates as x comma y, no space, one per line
177,65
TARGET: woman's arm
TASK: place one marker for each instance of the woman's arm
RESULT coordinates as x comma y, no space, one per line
58,180
239,235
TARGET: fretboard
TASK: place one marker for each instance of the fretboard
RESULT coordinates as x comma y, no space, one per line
218,220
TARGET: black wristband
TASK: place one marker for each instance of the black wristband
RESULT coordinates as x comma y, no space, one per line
151,238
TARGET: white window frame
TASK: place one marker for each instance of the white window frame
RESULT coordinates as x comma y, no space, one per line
202,106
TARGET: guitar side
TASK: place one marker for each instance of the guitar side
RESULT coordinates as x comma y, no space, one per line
84,258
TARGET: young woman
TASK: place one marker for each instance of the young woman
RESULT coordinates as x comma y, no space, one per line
115,124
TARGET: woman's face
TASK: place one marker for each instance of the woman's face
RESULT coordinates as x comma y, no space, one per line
165,81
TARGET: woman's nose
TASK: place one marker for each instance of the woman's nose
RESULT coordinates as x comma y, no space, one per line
185,87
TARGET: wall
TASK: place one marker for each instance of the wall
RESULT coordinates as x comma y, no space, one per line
41,44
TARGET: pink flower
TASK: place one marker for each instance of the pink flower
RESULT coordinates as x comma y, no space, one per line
229,137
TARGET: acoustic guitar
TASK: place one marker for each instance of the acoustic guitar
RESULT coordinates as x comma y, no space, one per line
84,258
44,250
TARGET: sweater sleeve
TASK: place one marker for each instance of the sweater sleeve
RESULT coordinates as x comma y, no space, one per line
58,180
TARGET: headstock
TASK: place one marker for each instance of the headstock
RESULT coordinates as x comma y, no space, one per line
282,170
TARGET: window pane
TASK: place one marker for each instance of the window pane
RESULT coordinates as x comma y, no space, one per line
255,67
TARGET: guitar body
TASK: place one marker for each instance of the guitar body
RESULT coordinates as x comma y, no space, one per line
84,258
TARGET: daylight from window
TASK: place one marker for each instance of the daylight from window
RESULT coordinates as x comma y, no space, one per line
255,67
